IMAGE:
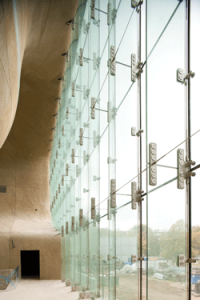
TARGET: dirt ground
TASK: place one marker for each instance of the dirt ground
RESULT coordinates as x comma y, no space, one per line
157,289
127,289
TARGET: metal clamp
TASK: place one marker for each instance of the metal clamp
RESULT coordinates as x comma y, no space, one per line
190,74
139,68
139,132
141,258
139,195
135,4
183,169
181,77
190,260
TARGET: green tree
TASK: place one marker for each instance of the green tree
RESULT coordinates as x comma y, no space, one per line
172,243
196,241
153,240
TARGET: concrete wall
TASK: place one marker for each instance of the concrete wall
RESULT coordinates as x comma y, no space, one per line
24,213
33,37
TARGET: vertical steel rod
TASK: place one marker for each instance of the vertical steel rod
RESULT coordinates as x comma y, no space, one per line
140,157
188,147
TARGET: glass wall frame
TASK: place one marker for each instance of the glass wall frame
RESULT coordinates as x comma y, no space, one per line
123,113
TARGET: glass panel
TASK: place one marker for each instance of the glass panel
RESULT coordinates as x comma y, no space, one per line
166,241
165,105
195,126
108,248
126,248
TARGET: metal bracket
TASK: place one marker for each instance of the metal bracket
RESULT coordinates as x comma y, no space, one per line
81,57
93,211
63,130
72,223
133,67
81,136
134,133
140,258
67,169
73,89
73,156
139,68
111,161
181,261
135,3
181,77
94,61
133,194
93,102
92,9
113,193
112,61
139,195
133,259
109,14
136,68
183,169
62,231
190,74
139,132
152,167
190,260
180,169
66,228
81,217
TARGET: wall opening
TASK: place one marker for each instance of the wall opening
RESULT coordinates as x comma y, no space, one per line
30,264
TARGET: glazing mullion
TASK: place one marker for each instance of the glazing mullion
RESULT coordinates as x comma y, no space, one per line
140,155
112,148
188,148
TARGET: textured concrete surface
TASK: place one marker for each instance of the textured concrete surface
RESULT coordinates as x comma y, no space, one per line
33,37
25,213
40,290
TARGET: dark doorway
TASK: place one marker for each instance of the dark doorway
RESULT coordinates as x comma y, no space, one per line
30,264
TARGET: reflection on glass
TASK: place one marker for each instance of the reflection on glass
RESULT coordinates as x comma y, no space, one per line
97,140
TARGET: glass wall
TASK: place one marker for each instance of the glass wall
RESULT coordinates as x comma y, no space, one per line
126,135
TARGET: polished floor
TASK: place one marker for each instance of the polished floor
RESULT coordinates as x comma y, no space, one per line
40,290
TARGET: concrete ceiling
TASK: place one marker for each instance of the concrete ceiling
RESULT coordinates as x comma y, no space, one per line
34,35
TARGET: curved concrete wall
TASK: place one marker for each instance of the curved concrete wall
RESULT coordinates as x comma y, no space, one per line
34,34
